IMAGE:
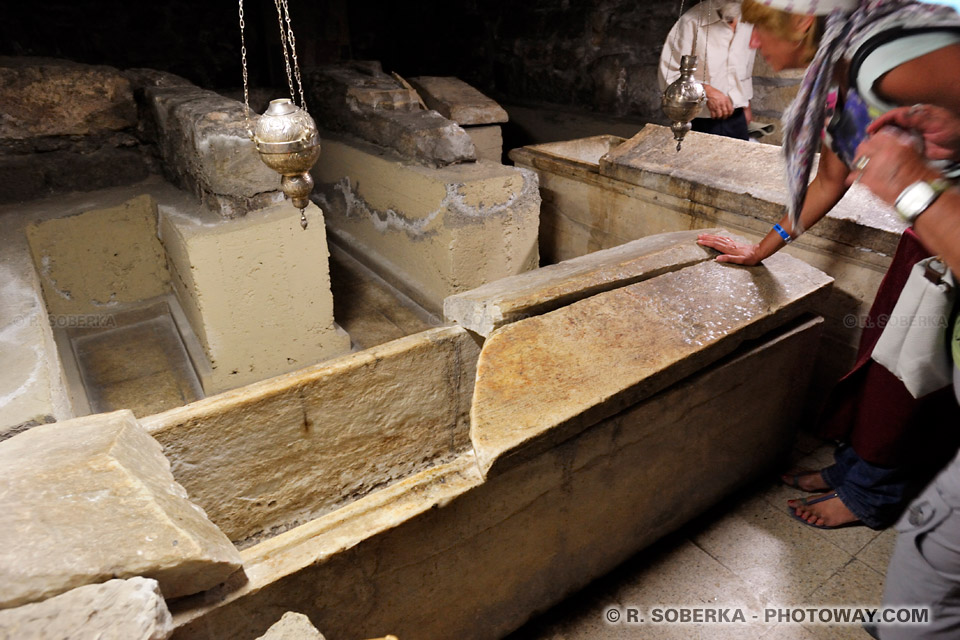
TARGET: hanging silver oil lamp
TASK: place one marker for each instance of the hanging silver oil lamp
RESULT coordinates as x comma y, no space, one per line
683,99
288,142
285,135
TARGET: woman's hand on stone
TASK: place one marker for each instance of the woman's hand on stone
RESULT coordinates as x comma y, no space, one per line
731,250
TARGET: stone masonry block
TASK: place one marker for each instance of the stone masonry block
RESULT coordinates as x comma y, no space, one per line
457,100
429,232
131,609
362,100
92,498
256,291
205,148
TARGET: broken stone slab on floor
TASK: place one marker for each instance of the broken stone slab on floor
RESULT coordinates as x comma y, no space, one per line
455,99
93,498
360,99
542,379
501,302
132,609
292,626
205,148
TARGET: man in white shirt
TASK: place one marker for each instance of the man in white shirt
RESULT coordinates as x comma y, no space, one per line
725,65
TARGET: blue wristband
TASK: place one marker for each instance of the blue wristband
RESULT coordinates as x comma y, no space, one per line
783,234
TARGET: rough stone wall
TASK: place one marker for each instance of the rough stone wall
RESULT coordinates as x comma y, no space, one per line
65,127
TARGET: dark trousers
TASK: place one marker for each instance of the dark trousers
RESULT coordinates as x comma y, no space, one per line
733,127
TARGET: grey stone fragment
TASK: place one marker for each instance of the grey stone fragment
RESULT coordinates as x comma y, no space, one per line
536,292
205,148
131,609
457,100
292,626
45,97
364,101
93,498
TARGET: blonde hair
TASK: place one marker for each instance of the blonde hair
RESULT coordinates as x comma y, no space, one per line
781,24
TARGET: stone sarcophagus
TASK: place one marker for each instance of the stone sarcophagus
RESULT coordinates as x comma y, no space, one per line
570,416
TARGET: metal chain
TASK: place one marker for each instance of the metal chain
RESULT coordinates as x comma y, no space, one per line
286,54
246,90
706,38
678,30
293,52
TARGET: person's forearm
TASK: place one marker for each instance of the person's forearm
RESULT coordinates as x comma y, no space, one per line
822,196
939,228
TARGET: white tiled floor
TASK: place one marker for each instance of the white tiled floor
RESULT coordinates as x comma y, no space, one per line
747,554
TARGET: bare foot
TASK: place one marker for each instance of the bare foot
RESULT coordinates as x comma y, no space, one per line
805,480
826,510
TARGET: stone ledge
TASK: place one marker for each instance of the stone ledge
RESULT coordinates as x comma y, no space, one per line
501,302
753,185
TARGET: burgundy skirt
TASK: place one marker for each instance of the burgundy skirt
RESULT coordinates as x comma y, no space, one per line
871,409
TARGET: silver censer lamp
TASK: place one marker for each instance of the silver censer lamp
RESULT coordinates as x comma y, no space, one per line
682,100
288,142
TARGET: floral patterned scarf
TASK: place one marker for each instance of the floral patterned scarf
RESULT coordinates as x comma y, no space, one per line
803,121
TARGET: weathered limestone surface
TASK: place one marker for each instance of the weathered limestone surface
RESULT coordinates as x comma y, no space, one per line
131,609
587,207
360,99
256,291
495,304
96,260
292,626
455,99
488,140
276,454
205,148
500,549
92,498
651,334
429,232
46,97
753,185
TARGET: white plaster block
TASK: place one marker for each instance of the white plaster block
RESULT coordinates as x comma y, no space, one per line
256,291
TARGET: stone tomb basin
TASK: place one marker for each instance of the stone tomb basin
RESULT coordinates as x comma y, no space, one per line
444,485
